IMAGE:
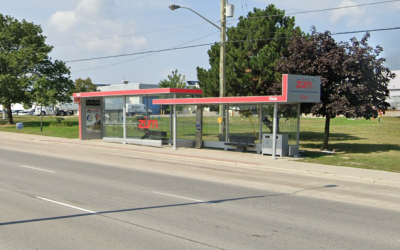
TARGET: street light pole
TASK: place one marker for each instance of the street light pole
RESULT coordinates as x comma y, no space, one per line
222,64
174,7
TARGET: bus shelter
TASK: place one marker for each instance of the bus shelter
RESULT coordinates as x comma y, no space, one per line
178,117
296,89
128,116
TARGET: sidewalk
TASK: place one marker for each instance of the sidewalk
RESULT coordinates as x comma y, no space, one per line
232,158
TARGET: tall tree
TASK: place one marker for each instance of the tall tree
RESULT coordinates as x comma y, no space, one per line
253,49
174,80
367,78
23,60
353,77
86,85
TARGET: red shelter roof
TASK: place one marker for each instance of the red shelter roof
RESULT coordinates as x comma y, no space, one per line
139,92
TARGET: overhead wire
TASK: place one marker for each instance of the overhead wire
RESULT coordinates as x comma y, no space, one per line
198,24
128,35
207,44
103,66
201,45
327,9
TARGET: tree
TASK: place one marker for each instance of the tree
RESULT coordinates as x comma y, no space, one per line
84,85
174,81
253,49
353,79
23,60
367,78
51,85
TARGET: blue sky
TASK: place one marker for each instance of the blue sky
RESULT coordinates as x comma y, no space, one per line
94,28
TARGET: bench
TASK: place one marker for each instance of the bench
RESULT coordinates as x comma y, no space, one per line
154,134
158,134
241,142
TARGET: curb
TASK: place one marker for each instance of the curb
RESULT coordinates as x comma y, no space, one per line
231,163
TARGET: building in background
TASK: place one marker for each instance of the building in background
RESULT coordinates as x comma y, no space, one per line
394,92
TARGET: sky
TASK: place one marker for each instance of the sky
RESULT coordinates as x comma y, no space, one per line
81,29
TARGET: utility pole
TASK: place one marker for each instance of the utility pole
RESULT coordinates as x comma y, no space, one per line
222,73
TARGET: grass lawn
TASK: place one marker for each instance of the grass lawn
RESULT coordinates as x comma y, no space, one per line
358,143
32,126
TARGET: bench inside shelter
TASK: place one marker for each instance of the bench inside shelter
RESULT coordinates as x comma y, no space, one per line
155,134
241,142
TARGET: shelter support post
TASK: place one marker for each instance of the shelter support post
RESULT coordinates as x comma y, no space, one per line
298,125
260,113
274,133
227,123
174,127
147,107
124,118
171,129
199,127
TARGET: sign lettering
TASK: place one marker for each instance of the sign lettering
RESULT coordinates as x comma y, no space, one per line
273,98
304,85
149,124
303,97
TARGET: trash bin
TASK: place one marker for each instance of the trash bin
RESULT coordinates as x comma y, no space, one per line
20,125
282,144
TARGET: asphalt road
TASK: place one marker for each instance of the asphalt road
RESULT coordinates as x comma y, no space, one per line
54,203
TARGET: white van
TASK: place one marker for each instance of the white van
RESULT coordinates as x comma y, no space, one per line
136,109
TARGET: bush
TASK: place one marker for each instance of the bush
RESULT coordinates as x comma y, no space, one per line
60,123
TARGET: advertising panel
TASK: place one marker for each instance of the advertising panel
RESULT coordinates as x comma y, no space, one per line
93,122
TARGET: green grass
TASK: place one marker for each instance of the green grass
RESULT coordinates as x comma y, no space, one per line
358,143
32,126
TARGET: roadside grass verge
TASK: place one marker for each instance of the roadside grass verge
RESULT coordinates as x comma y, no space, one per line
31,125
356,143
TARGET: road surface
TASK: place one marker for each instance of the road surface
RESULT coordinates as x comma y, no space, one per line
105,200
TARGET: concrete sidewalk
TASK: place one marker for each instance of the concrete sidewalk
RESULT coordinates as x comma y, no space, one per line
230,158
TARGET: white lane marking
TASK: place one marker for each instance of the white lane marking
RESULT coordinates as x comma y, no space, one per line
67,205
37,169
181,197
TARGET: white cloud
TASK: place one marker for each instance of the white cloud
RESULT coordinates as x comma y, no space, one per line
97,21
63,20
353,16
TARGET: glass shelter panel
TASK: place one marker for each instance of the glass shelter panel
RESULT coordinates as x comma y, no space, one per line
244,122
211,124
287,120
287,117
186,122
113,117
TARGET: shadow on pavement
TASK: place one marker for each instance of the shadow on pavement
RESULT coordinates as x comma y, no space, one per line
156,207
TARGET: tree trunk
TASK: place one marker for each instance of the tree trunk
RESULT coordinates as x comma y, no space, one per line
9,114
4,113
326,134
41,119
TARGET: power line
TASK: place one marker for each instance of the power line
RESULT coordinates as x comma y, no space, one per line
138,53
360,31
207,44
188,26
142,56
129,35
327,9
344,7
